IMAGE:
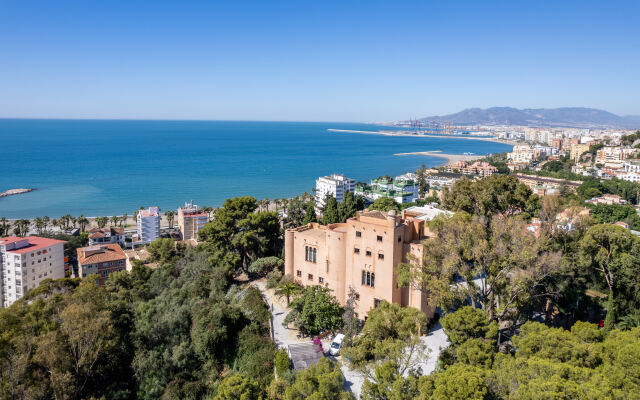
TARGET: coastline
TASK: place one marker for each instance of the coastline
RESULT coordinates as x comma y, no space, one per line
450,158
392,133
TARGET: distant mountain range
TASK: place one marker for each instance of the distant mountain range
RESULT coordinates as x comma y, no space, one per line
577,117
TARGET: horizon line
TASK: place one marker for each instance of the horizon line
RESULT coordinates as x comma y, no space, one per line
175,120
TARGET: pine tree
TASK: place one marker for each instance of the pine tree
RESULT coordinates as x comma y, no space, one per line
421,180
310,214
330,212
347,208
351,325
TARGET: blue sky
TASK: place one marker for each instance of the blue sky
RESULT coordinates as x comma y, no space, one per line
316,61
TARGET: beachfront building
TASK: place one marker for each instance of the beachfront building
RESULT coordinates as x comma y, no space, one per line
191,220
335,185
363,253
101,260
148,225
27,261
106,235
403,189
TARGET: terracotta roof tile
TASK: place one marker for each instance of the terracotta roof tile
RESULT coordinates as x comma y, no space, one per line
112,252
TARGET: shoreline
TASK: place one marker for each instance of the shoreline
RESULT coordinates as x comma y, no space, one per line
450,158
392,133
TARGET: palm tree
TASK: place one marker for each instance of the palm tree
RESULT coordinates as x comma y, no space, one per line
54,222
21,227
39,225
114,220
4,226
170,215
102,221
288,288
125,219
83,222
66,221
46,222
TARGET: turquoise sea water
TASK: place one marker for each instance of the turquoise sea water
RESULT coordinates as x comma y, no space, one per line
97,167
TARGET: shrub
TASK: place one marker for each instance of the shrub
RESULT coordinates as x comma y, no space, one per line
282,362
264,265
273,279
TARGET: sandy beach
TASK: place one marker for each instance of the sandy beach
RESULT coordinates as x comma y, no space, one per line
393,133
450,158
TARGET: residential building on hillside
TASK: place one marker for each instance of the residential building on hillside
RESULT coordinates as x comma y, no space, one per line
363,253
632,166
613,154
191,220
335,185
607,198
106,235
629,176
148,225
402,189
27,261
101,260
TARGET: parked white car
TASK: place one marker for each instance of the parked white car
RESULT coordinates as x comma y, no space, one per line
336,344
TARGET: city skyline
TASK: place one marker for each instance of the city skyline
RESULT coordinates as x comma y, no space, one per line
313,62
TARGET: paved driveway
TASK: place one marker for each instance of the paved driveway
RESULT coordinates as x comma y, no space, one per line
436,340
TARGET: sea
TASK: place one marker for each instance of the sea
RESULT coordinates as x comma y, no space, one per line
112,167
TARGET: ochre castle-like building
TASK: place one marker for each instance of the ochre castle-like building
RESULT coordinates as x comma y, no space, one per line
363,253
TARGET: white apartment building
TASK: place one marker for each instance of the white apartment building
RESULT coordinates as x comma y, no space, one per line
613,154
335,185
148,225
629,176
522,154
632,166
27,261
403,189
191,220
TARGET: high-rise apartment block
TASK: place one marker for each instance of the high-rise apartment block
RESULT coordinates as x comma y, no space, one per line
27,261
191,220
335,185
148,225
